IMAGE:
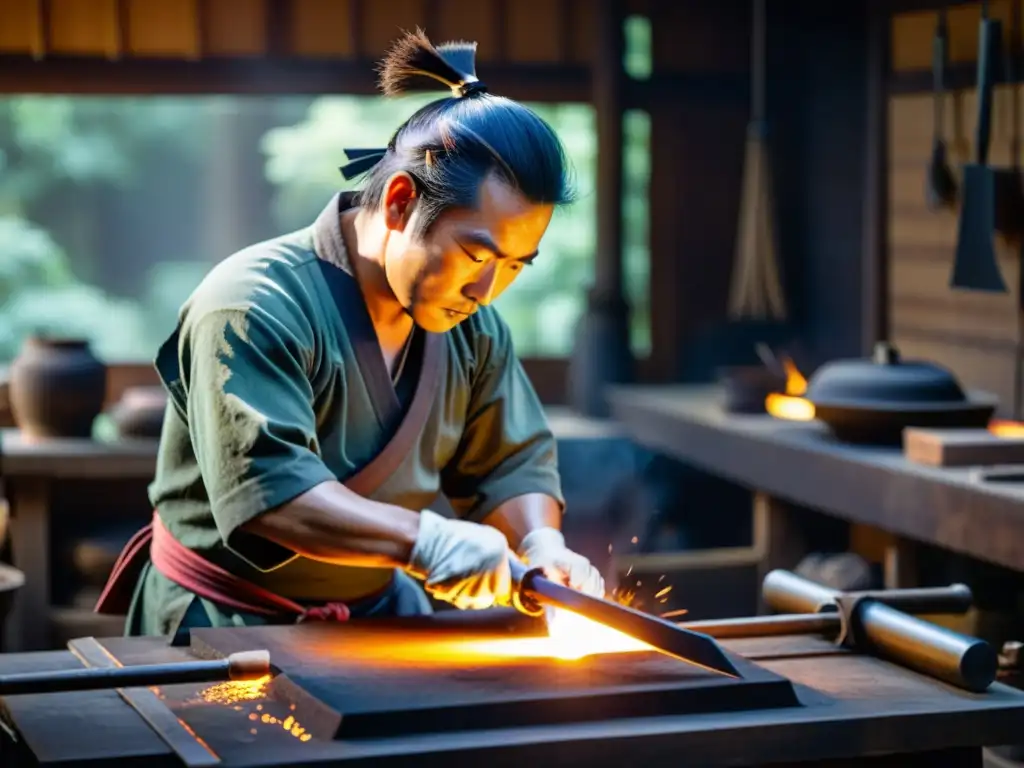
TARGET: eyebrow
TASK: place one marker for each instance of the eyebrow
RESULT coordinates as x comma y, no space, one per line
483,240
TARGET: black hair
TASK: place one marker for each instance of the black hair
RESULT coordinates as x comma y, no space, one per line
451,145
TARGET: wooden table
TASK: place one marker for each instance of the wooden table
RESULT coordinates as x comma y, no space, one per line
855,711
801,463
29,470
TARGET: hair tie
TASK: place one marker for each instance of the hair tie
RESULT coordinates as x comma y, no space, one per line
360,161
469,89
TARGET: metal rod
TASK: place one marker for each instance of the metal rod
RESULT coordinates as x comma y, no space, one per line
966,662
767,626
788,593
248,665
700,650
880,622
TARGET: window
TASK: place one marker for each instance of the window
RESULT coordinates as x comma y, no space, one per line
112,209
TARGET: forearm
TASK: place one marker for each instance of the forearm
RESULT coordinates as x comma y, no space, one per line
517,517
332,524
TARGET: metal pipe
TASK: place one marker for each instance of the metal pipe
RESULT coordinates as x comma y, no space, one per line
788,593
768,626
966,662
246,665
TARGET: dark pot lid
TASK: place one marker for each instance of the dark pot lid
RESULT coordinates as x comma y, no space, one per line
885,381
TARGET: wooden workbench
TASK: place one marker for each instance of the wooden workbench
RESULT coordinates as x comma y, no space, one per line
800,463
855,711
31,471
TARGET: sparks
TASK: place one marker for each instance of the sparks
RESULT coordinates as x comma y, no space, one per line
670,614
663,592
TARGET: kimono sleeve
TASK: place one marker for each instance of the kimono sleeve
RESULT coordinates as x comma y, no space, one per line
250,414
507,448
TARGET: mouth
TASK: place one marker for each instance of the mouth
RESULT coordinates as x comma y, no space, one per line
456,312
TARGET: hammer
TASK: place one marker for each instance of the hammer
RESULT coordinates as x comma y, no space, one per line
245,665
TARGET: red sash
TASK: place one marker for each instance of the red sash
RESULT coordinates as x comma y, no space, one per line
195,573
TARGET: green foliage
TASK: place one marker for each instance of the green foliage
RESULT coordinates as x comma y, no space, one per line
52,146
56,144
48,142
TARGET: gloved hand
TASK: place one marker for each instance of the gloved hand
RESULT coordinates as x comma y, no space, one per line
462,563
545,548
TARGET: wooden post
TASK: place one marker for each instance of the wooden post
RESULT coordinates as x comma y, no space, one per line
875,291
602,354
779,538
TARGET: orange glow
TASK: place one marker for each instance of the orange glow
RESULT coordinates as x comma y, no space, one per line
1004,428
234,691
791,405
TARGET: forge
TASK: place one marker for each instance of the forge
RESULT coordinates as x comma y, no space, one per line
465,672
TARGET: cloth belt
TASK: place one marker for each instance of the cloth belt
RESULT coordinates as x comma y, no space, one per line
195,573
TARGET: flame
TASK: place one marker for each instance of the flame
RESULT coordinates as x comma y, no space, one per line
791,405
1004,428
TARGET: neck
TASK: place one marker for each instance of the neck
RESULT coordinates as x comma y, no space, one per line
366,240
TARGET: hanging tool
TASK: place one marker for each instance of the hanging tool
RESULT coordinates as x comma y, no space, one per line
534,591
941,190
246,665
756,288
975,266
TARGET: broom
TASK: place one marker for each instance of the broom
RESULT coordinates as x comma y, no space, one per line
756,289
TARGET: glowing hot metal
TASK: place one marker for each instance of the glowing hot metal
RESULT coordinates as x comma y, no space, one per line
536,592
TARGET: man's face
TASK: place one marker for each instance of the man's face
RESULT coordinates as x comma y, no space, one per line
468,258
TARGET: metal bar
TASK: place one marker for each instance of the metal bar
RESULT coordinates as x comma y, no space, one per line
786,592
193,751
963,661
668,638
142,675
767,626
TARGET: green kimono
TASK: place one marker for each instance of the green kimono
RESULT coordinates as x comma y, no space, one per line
271,393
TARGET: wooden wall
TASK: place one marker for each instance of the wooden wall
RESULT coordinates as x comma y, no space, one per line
977,335
816,112
522,31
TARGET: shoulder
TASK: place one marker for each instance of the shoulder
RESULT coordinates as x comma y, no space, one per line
272,281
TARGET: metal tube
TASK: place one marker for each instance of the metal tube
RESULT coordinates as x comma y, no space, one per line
240,666
788,593
966,662
767,626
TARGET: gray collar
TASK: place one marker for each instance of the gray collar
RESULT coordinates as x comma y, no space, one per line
327,240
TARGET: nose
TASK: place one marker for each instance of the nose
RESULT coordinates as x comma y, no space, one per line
481,290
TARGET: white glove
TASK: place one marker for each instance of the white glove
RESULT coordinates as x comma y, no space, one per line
545,548
465,564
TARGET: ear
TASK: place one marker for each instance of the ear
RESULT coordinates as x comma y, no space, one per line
399,196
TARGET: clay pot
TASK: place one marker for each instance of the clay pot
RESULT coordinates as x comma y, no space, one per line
140,412
57,387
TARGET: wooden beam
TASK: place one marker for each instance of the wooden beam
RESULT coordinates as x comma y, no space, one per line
279,28
958,77
875,234
285,76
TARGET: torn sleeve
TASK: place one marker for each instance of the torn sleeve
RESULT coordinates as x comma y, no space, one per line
250,414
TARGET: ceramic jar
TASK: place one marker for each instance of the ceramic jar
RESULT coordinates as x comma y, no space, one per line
57,387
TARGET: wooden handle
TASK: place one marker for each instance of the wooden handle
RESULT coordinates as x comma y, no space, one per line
249,665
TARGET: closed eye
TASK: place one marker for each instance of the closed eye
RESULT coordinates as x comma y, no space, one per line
470,254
